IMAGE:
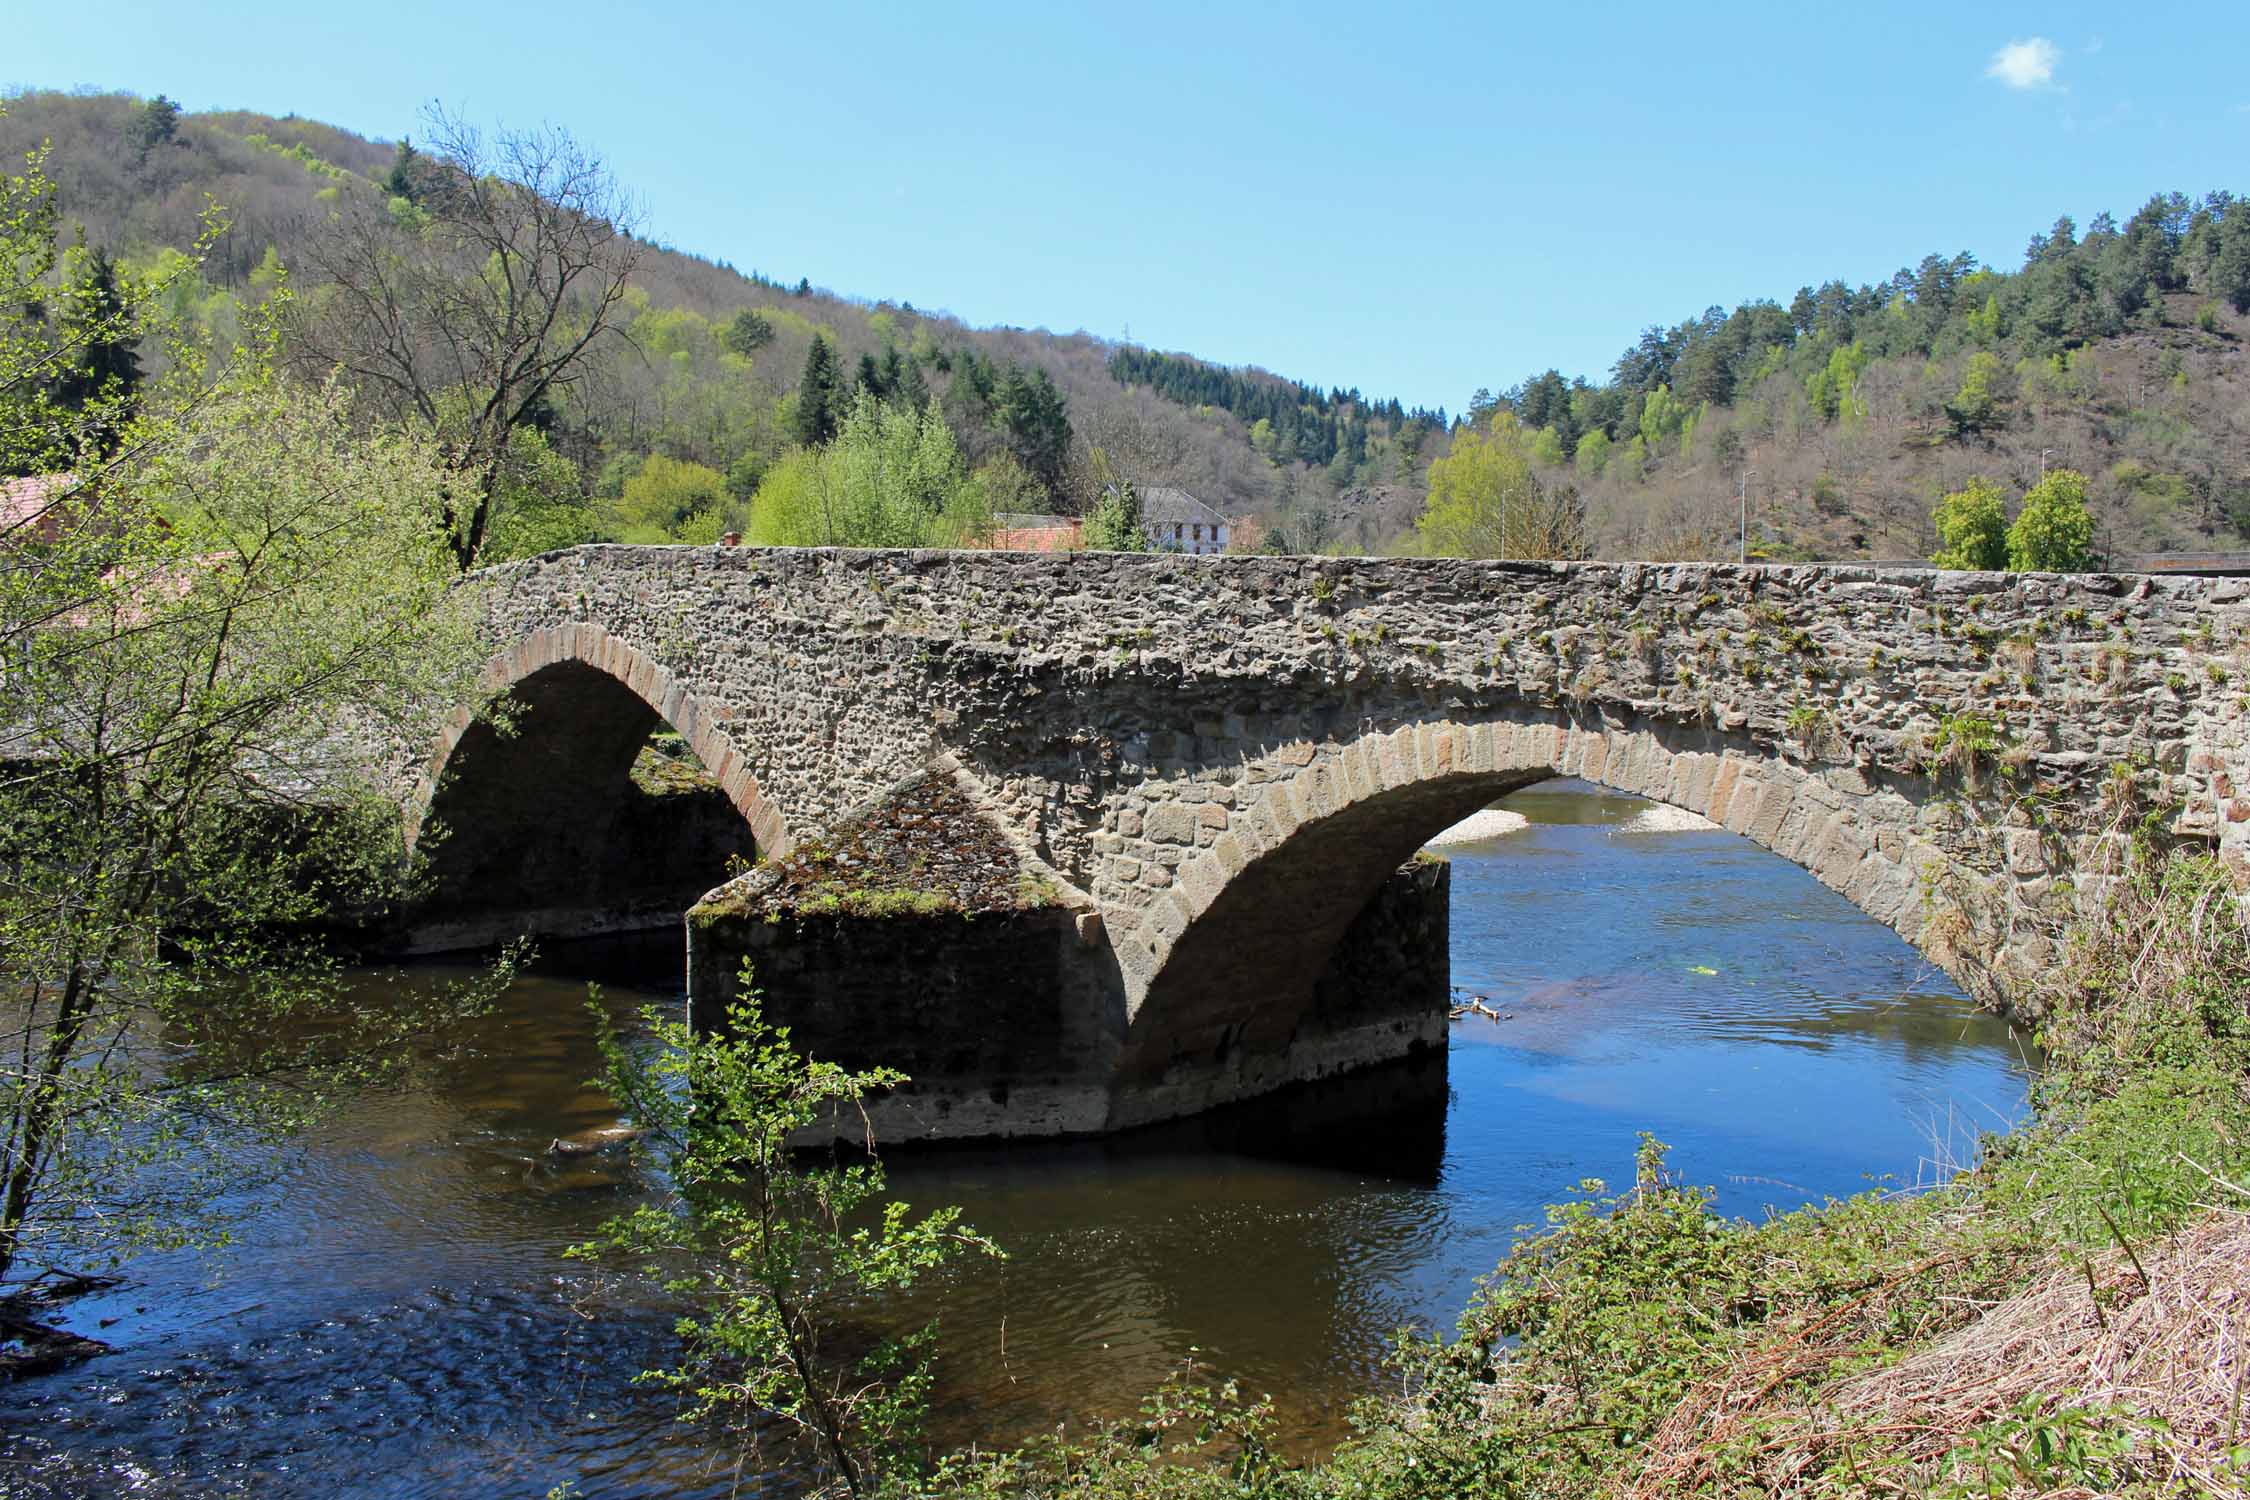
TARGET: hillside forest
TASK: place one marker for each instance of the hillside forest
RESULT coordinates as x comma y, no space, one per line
699,398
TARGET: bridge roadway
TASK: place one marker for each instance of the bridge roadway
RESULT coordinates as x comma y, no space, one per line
1222,759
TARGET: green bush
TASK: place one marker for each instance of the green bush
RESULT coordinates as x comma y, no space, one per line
2054,532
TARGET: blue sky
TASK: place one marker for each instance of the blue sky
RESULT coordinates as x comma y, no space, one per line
1414,200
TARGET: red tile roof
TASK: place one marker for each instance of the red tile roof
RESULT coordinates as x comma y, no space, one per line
28,506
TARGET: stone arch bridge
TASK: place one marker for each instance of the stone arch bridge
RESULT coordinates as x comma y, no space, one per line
1211,766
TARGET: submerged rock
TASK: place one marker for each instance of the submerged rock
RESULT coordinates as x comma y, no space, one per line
592,1142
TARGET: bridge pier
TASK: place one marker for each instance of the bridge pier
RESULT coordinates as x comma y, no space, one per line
918,936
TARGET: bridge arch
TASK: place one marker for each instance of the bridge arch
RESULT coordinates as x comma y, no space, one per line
1222,967
541,827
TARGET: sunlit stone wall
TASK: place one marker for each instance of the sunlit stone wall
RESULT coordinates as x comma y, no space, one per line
1225,756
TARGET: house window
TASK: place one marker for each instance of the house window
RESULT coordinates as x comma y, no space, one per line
1198,532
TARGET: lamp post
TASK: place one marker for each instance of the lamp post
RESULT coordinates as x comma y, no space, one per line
2043,461
1742,497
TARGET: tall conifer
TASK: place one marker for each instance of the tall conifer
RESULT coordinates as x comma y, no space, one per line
819,394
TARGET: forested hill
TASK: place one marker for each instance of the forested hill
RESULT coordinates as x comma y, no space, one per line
711,361
1839,415
1845,412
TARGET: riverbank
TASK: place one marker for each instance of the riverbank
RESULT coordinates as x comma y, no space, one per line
2067,1316
1477,827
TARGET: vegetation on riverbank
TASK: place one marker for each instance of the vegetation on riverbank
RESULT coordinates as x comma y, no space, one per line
217,595
2063,1317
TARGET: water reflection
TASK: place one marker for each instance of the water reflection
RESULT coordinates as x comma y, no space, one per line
401,1321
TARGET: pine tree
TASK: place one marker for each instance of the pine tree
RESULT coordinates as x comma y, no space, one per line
154,124
400,181
749,332
103,369
1033,415
820,393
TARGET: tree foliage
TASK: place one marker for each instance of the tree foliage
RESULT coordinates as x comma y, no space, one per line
240,600
747,332
1485,501
2053,532
890,478
1115,524
772,1249
1972,525
70,339
820,394
667,495
1975,407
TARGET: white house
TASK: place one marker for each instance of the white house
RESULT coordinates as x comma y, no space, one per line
1178,522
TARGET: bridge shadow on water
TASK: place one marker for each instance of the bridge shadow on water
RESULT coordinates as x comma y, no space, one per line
1386,1121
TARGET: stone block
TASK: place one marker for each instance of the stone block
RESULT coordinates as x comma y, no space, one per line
1171,823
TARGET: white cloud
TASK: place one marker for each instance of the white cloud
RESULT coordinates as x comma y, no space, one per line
2027,64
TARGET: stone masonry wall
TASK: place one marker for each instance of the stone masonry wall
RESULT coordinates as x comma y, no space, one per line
1227,755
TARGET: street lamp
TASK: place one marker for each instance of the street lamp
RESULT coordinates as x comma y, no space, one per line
2043,461
1742,496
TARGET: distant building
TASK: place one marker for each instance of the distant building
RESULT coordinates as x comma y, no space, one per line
1178,522
1174,519
1015,531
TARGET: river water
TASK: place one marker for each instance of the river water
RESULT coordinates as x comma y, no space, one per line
397,1320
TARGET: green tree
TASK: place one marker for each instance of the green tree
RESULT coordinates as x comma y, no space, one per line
1972,523
541,501
100,369
890,478
1833,389
664,496
772,1249
71,327
1593,453
745,473
1115,524
820,393
1482,494
747,332
1975,407
224,624
1002,486
1661,416
406,163
262,575
1035,421
2054,531
154,124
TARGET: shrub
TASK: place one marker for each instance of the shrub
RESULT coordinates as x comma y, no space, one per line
1973,525
2054,532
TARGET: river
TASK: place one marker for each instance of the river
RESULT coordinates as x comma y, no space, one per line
397,1320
